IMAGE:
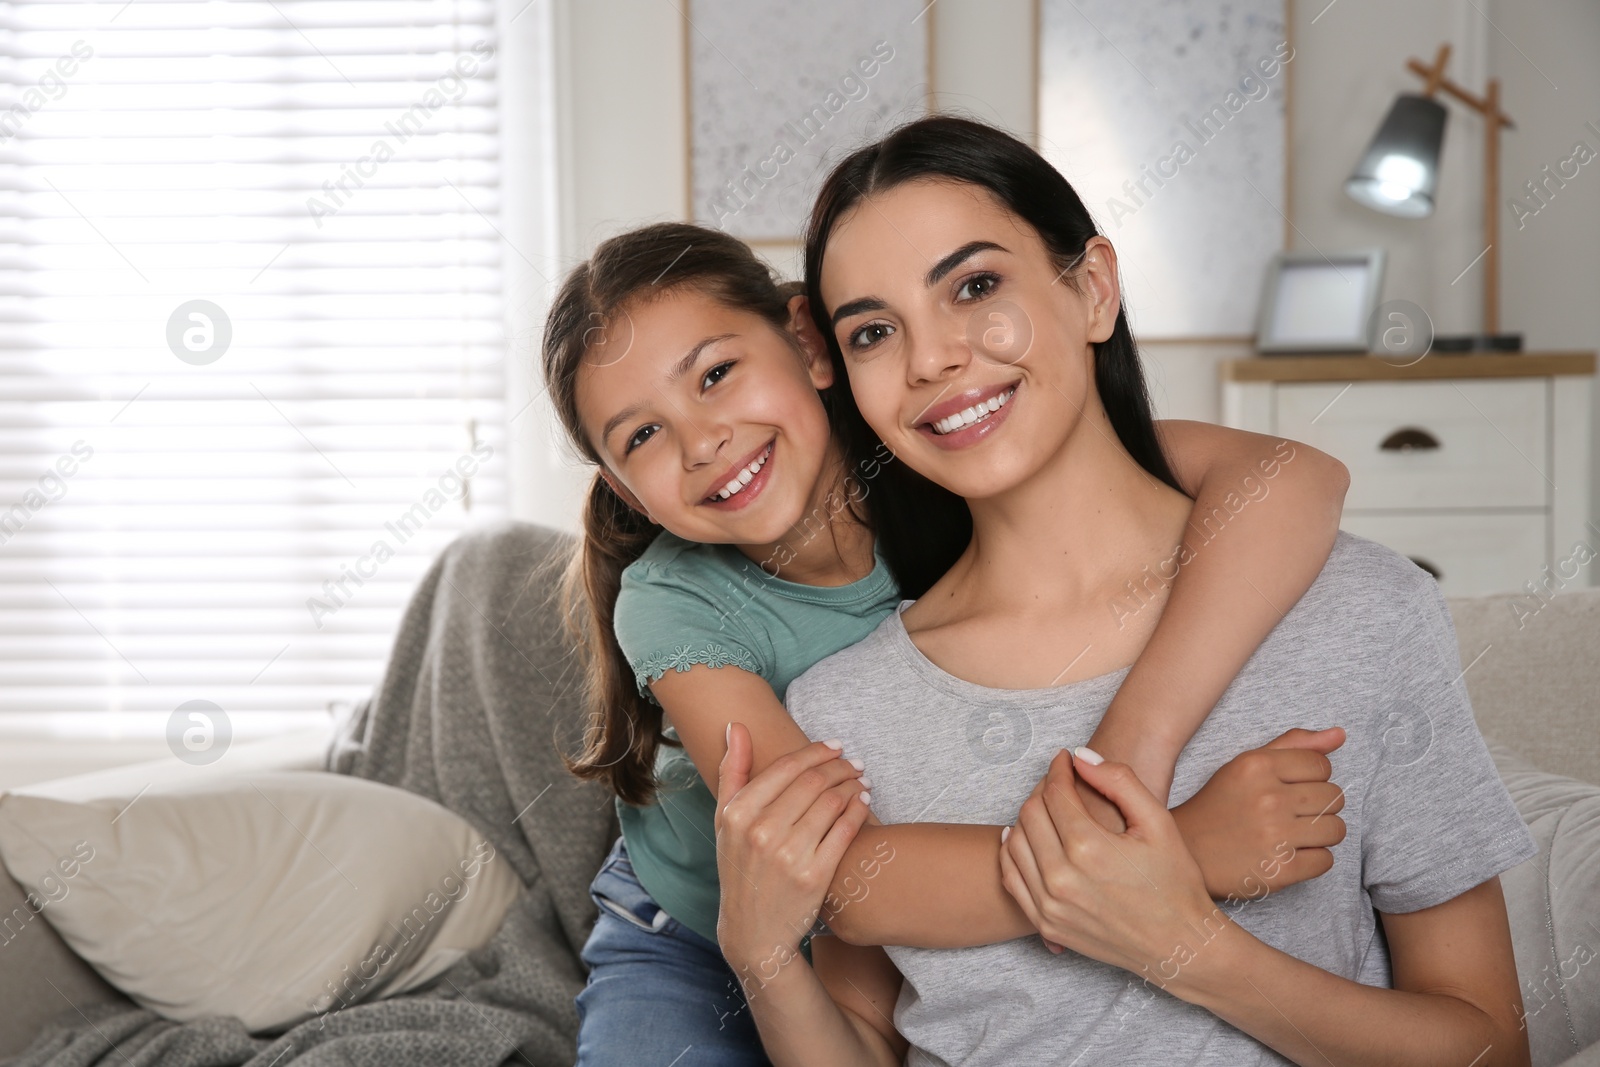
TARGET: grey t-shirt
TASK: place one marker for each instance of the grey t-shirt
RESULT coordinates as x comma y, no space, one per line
1370,647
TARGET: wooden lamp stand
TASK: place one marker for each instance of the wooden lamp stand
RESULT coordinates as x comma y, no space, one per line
1487,105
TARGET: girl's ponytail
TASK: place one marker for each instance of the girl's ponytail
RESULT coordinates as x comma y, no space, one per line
624,728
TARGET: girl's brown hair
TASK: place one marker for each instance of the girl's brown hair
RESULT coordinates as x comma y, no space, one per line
624,726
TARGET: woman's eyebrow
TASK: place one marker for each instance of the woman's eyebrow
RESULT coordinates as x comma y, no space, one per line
956,258
935,273
856,307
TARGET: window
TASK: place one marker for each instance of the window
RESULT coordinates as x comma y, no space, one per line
252,372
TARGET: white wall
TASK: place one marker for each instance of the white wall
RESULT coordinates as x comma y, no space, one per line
618,132
528,221
620,85
1550,273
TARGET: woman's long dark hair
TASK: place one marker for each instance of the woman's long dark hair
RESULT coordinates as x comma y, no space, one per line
923,528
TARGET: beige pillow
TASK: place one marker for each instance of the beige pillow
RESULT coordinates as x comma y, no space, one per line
273,897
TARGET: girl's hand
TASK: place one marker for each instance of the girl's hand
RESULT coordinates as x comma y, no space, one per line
780,837
1126,898
1268,818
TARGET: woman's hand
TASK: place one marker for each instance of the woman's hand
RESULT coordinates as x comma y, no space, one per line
1268,817
1122,898
780,837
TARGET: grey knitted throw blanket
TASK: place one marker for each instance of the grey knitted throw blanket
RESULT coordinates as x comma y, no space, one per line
478,694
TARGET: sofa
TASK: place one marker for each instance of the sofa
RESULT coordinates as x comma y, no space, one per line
1531,671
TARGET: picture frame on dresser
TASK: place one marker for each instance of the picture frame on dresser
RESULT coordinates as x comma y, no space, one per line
1316,303
1477,468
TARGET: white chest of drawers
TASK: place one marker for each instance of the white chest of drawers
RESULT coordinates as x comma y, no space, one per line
1476,467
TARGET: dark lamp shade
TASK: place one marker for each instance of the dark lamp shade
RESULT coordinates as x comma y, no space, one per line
1400,172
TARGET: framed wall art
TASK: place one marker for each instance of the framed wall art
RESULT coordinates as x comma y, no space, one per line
772,107
1169,119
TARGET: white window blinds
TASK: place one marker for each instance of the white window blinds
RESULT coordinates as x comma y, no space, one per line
251,343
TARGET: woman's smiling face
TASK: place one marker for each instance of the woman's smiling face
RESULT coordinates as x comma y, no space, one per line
969,351
708,419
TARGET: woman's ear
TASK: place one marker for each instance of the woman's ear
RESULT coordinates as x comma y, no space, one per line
1099,285
625,494
813,346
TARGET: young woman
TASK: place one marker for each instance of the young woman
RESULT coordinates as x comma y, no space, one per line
1399,955
726,550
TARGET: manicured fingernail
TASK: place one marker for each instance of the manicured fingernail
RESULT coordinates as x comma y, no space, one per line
857,764
834,743
866,797
1088,755
1005,833
866,783
728,734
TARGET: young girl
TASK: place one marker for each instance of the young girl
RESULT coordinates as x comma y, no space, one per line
1160,974
725,551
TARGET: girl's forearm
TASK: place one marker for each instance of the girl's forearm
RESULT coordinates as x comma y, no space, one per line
926,885
1316,1018
1208,630
929,885
1254,544
802,1026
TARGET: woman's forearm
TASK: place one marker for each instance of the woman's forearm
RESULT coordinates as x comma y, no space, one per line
1316,1018
929,885
772,860
801,1025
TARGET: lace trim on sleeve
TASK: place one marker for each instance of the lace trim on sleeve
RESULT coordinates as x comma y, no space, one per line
682,657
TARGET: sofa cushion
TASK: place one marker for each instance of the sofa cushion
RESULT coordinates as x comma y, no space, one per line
1550,900
1533,676
40,977
273,897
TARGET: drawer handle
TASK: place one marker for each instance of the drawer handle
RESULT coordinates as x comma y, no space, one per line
1425,565
1408,439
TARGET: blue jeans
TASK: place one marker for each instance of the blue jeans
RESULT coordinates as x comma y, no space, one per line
659,994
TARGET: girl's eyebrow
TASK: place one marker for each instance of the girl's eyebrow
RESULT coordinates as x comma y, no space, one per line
935,274
677,370
686,364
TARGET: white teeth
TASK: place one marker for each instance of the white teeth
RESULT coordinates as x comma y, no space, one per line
977,413
744,477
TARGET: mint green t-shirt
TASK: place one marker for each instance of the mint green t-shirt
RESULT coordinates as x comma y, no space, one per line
682,604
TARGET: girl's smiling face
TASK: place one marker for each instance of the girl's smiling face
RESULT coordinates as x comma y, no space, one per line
970,351
708,420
